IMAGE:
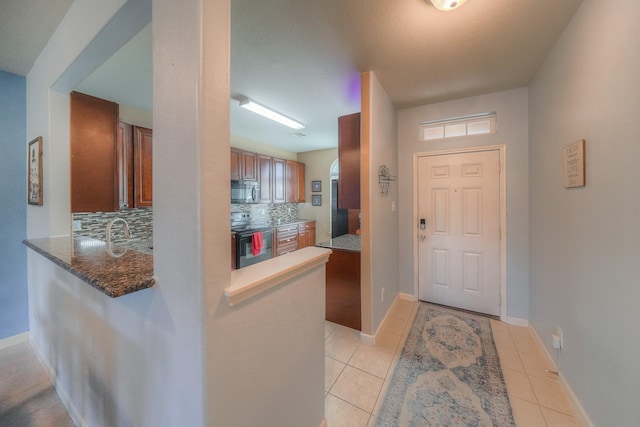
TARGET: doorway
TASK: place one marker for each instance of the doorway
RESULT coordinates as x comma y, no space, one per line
460,215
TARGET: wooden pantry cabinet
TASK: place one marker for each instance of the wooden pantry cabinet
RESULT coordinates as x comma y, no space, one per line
349,161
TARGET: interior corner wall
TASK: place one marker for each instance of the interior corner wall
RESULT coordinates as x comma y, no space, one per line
318,168
511,108
14,318
383,208
584,246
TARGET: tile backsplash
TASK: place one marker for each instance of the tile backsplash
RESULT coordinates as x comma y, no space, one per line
268,213
140,222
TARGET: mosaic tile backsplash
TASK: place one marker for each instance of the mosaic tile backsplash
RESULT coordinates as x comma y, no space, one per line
140,222
269,213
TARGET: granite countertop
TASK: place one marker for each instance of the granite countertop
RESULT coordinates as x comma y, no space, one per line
346,242
293,221
87,259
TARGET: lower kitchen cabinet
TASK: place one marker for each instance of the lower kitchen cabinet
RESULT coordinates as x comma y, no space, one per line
306,234
343,289
286,239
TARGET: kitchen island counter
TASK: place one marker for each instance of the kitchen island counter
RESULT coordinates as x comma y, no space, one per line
346,242
87,259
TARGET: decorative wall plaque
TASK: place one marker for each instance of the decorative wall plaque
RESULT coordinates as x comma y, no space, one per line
574,164
34,172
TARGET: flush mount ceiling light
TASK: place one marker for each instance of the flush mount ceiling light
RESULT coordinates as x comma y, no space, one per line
447,4
268,113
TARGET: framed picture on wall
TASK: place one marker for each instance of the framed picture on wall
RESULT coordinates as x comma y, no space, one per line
316,200
316,186
34,172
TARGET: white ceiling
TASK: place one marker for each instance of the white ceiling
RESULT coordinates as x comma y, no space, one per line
303,58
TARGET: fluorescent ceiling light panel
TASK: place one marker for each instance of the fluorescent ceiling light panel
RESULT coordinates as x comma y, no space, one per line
269,113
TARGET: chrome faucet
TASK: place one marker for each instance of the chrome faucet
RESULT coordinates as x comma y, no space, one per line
127,234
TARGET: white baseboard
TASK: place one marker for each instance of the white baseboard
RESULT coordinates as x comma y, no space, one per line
367,339
516,321
75,415
580,412
407,297
16,339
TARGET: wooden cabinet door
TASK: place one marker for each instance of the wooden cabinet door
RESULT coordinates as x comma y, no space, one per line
143,166
94,125
349,161
278,184
249,169
236,164
125,165
291,181
264,177
306,234
301,184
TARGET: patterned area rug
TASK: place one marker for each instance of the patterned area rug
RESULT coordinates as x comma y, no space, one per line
448,374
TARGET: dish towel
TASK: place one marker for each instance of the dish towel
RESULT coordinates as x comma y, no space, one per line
256,243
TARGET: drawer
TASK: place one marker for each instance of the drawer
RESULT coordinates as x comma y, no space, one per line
284,229
286,248
307,226
284,239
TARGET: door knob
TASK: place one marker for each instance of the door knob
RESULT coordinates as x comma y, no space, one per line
422,237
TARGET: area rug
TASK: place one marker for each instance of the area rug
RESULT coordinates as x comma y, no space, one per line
448,374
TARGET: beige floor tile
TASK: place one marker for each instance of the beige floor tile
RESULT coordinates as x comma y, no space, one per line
525,343
504,340
527,414
536,365
358,388
518,330
550,395
328,328
388,341
557,419
339,348
498,326
510,359
332,370
372,360
518,385
401,310
342,414
348,333
394,325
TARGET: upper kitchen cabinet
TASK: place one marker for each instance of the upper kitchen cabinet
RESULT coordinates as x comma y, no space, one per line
349,161
124,165
243,165
265,175
278,183
143,166
294,181
93,133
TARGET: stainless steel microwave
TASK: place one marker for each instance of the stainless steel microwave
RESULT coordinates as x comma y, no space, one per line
243,191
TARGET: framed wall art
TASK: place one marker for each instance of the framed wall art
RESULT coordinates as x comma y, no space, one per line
316,186
316,200
573,160
34,172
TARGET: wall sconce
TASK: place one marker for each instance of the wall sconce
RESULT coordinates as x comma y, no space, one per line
384,179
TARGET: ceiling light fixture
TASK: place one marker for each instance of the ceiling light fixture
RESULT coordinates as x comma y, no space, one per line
447,4
268,113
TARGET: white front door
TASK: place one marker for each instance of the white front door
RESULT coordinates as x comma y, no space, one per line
459,244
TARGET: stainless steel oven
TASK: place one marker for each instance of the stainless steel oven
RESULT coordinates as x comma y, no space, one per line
245,250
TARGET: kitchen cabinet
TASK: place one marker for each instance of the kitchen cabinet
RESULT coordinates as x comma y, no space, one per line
349,161
286,239
306,234
143,166
342,304
125,165
294,181
278,183
233,251
265,176
243,165
94,128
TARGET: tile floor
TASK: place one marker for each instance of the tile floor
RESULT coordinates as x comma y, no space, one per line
26,395
357,374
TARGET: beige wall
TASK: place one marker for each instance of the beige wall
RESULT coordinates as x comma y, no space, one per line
317,168
136,116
